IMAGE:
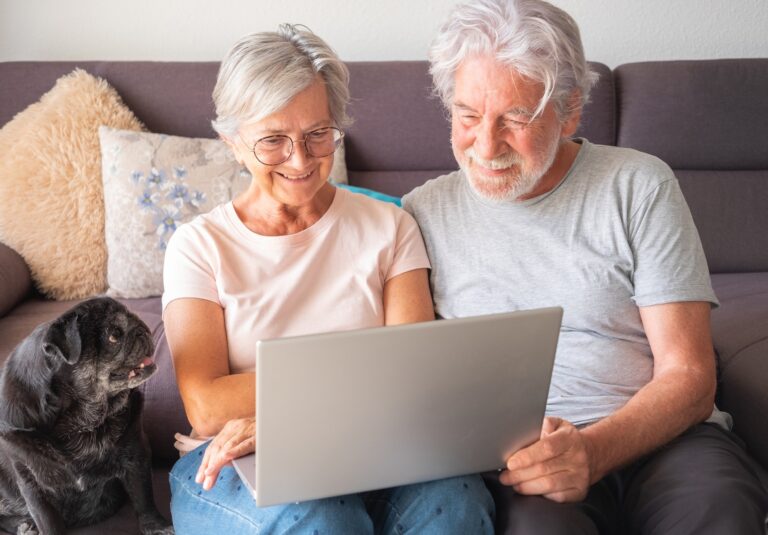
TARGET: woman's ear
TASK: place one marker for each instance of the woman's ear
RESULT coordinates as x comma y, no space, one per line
234,147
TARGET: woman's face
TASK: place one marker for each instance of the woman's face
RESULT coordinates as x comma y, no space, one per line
296,181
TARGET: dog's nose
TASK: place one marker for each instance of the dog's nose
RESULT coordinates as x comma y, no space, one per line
142,341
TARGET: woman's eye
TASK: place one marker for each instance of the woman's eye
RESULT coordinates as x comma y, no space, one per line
319,134
271,141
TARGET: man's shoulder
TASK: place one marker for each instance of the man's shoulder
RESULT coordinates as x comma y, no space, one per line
429,192
628,161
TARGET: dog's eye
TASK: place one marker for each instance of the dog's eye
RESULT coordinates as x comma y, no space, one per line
113,338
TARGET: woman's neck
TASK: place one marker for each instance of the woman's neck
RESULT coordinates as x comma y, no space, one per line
266,216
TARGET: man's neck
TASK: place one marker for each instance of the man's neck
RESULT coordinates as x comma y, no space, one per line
566,155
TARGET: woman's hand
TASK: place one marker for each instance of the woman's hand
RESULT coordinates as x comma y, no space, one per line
237,438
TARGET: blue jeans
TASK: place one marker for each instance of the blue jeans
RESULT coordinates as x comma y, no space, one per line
458,505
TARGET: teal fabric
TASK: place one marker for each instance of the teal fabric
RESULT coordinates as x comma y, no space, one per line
371,193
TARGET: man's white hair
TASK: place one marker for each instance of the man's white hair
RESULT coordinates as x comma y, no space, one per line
535,38
263,71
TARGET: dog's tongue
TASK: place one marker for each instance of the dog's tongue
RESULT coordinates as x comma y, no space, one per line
146,362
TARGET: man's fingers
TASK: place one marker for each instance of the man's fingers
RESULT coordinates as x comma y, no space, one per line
559,486
550,425
544,450
535,471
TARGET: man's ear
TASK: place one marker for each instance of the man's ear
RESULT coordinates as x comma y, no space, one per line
573,117
62,339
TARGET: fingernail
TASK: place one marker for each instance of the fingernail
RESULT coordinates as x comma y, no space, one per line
198,478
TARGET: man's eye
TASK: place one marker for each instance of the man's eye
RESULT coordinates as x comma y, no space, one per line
321,133
469,119
516,123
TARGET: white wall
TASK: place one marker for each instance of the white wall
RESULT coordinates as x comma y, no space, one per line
614,31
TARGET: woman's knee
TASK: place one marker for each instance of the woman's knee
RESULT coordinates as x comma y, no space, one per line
453,505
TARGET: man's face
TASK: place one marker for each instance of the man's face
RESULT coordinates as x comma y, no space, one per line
505,152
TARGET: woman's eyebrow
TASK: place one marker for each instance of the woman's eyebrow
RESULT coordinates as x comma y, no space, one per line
281,131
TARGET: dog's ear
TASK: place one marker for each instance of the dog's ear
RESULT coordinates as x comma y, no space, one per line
62,339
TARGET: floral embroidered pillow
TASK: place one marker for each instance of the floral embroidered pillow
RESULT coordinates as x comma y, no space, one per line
152,184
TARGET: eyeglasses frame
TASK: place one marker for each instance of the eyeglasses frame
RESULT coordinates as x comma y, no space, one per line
303,141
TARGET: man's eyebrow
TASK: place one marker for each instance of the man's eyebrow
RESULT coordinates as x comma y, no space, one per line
463,106
519,110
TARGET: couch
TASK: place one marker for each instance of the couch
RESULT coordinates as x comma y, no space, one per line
707,119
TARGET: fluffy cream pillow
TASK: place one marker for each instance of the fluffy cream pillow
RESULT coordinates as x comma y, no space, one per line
152,184
51,200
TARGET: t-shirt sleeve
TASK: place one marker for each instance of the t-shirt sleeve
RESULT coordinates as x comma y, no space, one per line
409,253
670,265
187,269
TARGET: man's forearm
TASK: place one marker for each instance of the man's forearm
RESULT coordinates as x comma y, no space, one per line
660,411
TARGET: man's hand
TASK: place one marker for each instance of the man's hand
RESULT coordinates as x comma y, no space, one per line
237,438
558,466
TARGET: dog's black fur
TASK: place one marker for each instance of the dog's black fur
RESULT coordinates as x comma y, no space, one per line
71,442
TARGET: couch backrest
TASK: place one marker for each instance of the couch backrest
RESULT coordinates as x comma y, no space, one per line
709,121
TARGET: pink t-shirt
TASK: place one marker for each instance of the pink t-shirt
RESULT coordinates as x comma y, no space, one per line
328,277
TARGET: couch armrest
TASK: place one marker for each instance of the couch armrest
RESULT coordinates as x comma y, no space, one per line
15,279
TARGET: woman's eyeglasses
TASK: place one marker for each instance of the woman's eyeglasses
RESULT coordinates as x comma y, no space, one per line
274,150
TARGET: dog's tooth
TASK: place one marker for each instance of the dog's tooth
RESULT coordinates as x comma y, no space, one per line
141,365
131,374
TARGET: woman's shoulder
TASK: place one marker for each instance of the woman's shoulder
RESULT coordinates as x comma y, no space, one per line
363,202
203,227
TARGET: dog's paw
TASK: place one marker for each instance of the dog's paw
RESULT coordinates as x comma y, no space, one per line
27,528
167,530
156,528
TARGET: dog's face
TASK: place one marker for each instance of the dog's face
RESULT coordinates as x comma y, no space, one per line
102,346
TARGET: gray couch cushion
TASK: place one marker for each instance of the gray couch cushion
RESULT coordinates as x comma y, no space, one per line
708,114
730,213
740,334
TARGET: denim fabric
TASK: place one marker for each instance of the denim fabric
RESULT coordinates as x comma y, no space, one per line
458,505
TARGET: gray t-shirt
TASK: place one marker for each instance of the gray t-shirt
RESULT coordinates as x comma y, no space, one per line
616,234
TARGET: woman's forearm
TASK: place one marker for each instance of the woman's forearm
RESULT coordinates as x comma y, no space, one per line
213,403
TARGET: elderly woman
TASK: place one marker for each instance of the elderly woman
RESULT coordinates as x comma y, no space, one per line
291,255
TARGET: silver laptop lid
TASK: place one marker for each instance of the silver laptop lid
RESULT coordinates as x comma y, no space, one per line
350,411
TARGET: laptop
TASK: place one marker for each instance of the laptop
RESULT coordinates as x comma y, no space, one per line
346,412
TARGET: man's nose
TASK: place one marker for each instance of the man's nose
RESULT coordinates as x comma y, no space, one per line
488,141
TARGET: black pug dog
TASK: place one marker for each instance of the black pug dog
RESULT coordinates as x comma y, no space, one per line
71,442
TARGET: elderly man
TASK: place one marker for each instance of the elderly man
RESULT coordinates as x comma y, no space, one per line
632,442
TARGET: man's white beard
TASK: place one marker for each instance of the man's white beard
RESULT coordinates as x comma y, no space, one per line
510,186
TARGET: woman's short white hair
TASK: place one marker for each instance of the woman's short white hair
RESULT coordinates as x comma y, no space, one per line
263,71
535,38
